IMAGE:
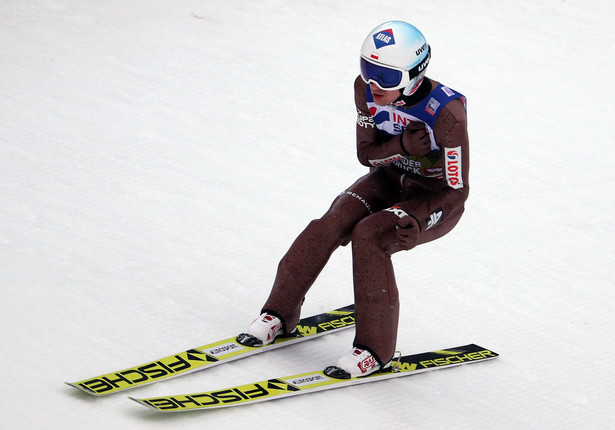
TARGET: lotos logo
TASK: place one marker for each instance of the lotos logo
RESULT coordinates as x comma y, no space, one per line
384,38
452,167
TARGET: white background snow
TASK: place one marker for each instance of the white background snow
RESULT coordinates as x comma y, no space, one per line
157,159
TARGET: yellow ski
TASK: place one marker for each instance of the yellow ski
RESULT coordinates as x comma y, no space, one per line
315,381
211,355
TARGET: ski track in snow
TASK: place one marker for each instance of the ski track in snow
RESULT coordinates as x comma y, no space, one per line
158,158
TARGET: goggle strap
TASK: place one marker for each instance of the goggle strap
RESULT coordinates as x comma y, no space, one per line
416,70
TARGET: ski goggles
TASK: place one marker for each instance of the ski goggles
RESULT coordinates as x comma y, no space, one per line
391,78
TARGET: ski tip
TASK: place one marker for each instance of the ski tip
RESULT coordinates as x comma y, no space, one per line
143,402
78,386
70,384
139,401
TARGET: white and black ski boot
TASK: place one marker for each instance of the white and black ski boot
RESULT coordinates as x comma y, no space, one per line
357,363
262,331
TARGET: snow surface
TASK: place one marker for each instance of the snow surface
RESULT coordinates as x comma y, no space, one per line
159,157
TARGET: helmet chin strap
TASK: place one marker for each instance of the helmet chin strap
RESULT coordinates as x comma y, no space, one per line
419,94
413,89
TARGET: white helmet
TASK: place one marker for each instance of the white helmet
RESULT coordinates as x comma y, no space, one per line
395,55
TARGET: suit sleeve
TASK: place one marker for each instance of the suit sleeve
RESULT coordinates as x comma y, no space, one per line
450,194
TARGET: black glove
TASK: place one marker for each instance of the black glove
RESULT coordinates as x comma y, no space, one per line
415,140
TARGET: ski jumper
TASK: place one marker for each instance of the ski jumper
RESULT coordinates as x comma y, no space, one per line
431,189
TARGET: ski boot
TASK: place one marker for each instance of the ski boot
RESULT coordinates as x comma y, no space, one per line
357,363
262,331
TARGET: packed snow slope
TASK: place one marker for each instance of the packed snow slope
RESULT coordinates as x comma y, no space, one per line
158,158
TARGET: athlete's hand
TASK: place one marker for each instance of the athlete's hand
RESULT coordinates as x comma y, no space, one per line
407,232
415,139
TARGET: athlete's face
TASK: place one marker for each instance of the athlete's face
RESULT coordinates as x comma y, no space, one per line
383,97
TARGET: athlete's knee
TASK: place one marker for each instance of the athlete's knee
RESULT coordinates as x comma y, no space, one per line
386,232
329,228
370,231
341,217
